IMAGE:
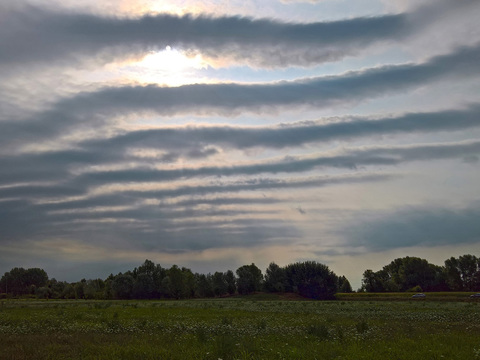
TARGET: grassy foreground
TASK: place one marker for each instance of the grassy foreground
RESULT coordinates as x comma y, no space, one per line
239,328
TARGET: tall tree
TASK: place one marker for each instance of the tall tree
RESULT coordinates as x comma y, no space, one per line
175,282
203,285
372,282
463,273
249,279
344,285
275,278
122,286
20,281
231,282
220,286
313,280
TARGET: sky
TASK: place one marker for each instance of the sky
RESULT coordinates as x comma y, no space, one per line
213,134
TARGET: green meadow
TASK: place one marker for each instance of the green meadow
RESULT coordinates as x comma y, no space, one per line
255,327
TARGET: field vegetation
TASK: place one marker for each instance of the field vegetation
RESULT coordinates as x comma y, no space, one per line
261,326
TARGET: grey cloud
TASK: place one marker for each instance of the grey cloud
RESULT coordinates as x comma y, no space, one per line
220,187
286,135
229,99
201,141
147,227
416,226
351,159
34,34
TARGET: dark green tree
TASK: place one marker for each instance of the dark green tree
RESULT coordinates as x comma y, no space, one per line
312,280
175,284
188,279
344,285
372,281
231,282
68,292
463,273
122,286
79,288
275,278
220,286
203,285
143,287
20,281
405,274
249,279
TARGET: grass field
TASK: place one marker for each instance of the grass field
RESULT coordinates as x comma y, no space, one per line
258,327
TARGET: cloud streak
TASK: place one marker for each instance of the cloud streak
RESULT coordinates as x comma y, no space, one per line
99,107
39,35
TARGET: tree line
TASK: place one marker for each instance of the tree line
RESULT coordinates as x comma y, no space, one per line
309,279
152,281
416,274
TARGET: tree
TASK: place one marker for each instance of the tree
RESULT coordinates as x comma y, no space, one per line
231,282
43,292
468,265
344,285
143,287
275,278
188,280
312,280
148,268
249,279
158,274
122,286
203,285
68,292
403,274
220,286
175,284
56,287
80,289
463,273
19,281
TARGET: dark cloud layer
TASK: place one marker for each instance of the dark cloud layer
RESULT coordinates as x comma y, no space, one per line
97,108
169,226
175,140
38,35
351,159
417,226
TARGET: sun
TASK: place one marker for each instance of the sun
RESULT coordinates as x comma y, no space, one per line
169,66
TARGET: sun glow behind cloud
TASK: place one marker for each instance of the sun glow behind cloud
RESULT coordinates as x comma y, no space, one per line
168,67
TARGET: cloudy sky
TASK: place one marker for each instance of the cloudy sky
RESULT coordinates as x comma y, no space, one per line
212,134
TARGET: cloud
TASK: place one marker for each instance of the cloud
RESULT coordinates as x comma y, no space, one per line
415,226
51,174
36,35
41,35
284,135
349,159
99,107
